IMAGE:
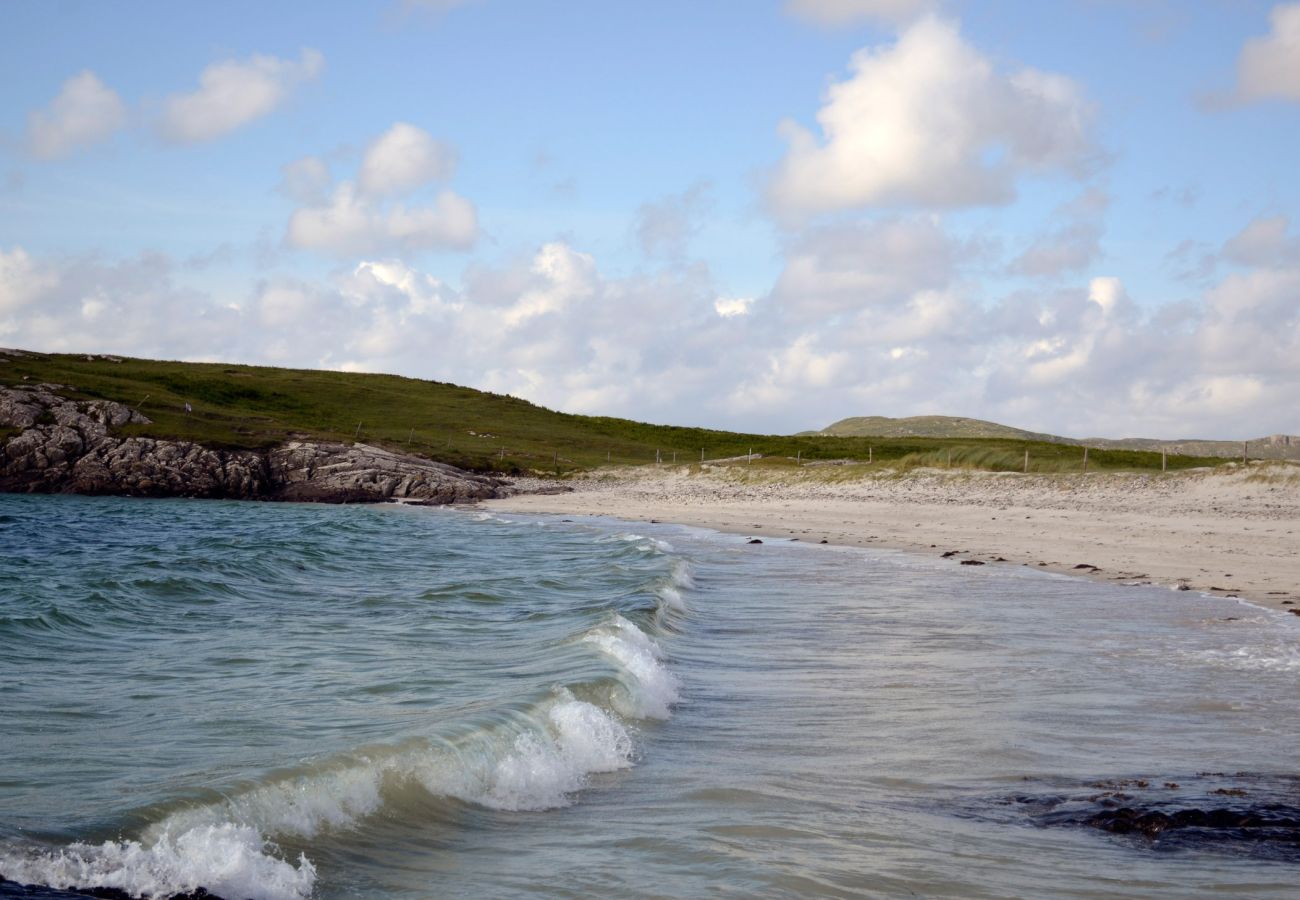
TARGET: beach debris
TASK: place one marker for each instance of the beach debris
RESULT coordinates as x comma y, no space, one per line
972,562
824,541
754,541
1182,587
1089,566
951,553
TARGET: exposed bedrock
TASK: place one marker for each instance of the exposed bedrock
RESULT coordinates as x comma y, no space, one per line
68,446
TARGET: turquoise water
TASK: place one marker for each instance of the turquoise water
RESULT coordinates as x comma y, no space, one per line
289,701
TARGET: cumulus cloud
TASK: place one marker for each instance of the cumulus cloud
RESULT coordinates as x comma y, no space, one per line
375,214
834,337
837,269
233,93
350,223
85,112
928,121
846,12
1269,66
402,158
131,306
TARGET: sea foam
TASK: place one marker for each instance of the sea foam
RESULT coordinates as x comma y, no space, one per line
228,860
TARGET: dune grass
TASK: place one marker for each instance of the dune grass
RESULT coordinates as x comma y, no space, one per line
235,406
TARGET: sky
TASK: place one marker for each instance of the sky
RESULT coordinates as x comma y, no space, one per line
1080,217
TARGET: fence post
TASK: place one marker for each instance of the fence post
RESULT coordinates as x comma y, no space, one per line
1026,462
750,458
674,457
1164,461
871,455
1085,459
1245,448
356,433
798,458
701,454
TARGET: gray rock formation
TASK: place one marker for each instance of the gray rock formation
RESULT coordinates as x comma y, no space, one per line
68,446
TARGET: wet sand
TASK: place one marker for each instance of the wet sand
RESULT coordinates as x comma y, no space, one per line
1231,532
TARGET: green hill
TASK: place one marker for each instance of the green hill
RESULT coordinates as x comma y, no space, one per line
1277,446
236,406
930,426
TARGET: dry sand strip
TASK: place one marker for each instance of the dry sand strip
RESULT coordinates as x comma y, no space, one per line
1233,532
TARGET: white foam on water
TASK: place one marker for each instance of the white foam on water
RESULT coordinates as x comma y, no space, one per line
302,806
544,769
1258,658
656,688
228,860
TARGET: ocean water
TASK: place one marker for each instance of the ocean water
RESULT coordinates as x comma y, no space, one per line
290,701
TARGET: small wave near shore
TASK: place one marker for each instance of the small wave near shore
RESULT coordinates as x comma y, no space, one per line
254,839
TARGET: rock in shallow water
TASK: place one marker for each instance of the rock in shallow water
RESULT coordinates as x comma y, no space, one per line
1245,814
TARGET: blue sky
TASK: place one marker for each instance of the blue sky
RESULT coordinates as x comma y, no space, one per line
1076,216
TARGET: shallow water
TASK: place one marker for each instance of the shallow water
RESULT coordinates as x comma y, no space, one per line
287,701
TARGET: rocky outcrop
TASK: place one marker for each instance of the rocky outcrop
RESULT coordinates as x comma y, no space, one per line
68,446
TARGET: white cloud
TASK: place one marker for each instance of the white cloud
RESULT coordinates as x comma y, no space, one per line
1264,242
928,121
1269,67
840,269
85,112
350,224
845,12
727,307
402,158
233,93
375,214
830,340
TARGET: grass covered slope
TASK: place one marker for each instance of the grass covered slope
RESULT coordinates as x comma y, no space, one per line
1277,446
929,426
235,406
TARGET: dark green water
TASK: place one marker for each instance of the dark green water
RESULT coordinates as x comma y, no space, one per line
291,701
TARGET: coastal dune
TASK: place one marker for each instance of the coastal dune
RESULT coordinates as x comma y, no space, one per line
1232,532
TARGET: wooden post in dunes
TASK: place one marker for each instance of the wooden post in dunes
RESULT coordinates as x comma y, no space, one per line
750,458
1164,461
1085,460
798,458
357,433
701,454
1245,449
410,437
607,454
674,457
871,455
1026,462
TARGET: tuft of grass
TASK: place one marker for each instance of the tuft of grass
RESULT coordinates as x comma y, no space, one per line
254,407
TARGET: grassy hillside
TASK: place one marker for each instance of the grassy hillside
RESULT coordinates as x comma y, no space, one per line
1272,447
929,426
254,406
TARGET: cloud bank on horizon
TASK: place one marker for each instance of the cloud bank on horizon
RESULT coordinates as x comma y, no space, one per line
764,219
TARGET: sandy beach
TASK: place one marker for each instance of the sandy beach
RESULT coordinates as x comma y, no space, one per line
1230,532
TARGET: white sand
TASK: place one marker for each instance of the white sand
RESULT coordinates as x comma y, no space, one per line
1231,531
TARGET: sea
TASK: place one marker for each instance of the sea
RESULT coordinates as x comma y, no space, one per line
279,701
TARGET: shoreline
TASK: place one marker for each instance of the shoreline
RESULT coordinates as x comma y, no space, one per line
1233,534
